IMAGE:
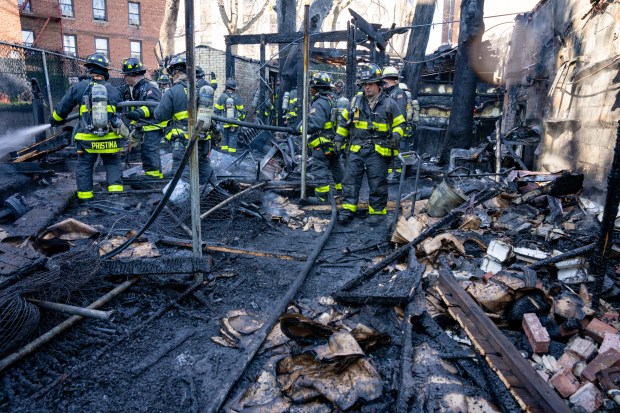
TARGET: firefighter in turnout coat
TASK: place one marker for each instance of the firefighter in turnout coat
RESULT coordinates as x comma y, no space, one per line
230,105
98,131
325,156
147,135
391,79
372,130
173,108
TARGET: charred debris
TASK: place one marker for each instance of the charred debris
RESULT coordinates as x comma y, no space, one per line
492,288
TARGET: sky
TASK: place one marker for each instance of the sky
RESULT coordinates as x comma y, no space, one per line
493,25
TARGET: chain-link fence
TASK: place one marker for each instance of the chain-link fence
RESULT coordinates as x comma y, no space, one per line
55,72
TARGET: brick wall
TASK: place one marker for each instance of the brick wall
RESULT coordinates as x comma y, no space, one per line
246,71
116,29
10,29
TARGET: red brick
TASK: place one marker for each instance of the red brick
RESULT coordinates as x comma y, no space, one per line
610,341
600,362
536,333
587,397
567,360
610,317
564,382
597,329
581,347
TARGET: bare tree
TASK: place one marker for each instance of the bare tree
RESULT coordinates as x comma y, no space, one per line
168,27
230,11
459,133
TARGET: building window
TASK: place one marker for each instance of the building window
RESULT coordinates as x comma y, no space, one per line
99,11
66,8
101,46
27,7
134,14
136,49
27,37
69,45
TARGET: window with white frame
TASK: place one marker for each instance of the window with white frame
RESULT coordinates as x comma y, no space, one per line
66,8
99,10
134,13
69,44
27,37
102,46
135,49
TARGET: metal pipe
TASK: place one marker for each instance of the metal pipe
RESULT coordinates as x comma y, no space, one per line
73,310
47,84
191,122
65,325
304,118
216,401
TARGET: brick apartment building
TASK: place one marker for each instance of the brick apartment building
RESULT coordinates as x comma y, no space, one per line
118,28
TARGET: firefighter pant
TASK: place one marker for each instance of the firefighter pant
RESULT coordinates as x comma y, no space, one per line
205,172
84,171
149,152
322,169
230,139
376,167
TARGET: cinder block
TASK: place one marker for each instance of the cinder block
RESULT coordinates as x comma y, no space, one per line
600,362
564,382
597,329
536,333
581,347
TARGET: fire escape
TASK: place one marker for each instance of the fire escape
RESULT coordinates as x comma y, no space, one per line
41,13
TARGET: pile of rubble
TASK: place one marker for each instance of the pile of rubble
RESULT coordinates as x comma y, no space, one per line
523,257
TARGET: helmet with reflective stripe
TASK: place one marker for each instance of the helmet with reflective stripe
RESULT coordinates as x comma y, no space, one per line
321,80
177,63
370,74
97,60
133,66
199,72
164,79
390,72
231,84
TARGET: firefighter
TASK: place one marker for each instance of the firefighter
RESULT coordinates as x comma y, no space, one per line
373,128
325,155
201,81
230,105
291,108
164,83
173,108
338,88
146,133
391,79
99,130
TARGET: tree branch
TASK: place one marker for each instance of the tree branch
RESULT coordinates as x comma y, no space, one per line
225,18
253,19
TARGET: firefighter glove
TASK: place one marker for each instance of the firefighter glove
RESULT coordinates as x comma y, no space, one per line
133,115
53,122
212,75
392,142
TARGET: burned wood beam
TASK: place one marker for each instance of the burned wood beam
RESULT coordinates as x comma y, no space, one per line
567,255
231,250
147,266
531,391
25,168
368,28
513,154
17,262
40,149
